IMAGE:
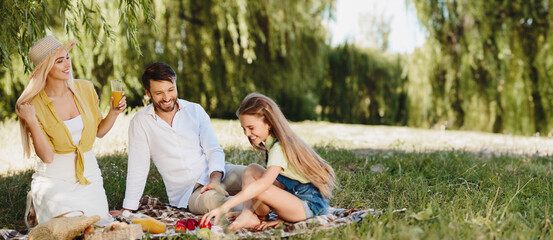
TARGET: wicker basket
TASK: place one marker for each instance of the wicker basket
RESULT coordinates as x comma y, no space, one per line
62,228
132,232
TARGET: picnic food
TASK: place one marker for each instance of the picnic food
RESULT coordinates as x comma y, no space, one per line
206,224
89,230
151,225
204,233
117,231
115,225
180,227
191,224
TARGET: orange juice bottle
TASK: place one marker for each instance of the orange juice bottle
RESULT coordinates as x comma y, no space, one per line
151,225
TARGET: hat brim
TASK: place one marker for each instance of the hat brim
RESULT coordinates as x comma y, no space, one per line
66,46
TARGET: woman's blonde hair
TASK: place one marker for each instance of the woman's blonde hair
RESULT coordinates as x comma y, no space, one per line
37,82
300,155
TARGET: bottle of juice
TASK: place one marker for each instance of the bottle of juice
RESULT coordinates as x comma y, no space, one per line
151,225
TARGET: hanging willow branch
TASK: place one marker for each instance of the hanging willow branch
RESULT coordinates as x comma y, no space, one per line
24,22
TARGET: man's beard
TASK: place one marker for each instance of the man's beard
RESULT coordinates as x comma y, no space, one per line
158,106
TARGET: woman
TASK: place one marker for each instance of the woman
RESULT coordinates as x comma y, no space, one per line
60,119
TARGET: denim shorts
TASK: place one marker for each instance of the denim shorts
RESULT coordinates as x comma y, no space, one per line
310,196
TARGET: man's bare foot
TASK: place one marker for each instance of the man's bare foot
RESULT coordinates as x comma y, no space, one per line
246,219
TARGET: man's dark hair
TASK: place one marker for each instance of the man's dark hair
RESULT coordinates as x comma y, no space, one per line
157,72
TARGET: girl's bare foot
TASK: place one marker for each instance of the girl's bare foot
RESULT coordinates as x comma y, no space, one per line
246,219
270,224
231,216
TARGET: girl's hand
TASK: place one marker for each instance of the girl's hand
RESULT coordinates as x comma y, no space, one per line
26,112
216,213
122,104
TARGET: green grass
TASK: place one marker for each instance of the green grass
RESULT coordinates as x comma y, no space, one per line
448,194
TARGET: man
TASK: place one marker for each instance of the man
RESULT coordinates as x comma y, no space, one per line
177,135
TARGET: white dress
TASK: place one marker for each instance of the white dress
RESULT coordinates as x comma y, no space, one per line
55,189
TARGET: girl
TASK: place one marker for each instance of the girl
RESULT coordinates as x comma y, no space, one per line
297,182
60,119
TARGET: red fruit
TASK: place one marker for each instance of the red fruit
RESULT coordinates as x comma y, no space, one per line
180,227
206,224
191,224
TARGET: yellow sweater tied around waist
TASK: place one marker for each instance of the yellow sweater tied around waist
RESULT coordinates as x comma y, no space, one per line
56,131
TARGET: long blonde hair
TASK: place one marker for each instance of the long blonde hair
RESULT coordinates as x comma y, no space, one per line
37,82
300,155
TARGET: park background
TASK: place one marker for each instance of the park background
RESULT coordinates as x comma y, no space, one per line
483,66
457,129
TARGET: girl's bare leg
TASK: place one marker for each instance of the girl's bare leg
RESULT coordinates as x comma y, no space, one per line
286,205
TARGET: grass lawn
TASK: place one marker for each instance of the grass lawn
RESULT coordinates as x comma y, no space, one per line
457,193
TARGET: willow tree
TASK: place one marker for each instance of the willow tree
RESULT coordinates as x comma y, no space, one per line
363,86
223,50
485,66
25,22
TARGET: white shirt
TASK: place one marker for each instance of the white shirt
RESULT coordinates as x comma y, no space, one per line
185,153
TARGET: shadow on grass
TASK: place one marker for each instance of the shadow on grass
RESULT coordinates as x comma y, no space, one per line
13,196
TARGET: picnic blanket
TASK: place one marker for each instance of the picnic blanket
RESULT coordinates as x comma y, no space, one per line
152,207
336,217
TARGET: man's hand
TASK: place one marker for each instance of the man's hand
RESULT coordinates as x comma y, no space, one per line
114,213
215,184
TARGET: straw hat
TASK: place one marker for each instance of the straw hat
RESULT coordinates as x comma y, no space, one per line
47,46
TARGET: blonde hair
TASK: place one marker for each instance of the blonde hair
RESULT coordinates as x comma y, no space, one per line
300,155
37,82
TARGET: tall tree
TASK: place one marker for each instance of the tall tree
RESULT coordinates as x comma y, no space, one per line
486,64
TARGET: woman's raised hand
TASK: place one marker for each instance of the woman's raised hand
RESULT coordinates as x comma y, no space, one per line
26,111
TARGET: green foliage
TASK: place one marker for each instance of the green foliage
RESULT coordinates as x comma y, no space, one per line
25,22
364,86
224,50
485,66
